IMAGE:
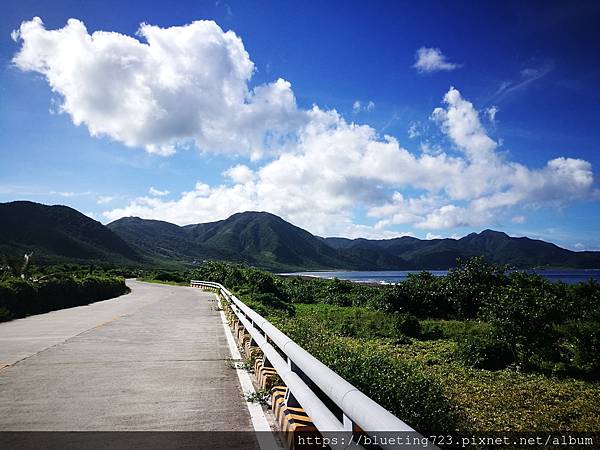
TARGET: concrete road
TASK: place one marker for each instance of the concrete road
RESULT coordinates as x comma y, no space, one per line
155,359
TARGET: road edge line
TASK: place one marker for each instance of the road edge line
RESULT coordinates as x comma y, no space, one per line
257,415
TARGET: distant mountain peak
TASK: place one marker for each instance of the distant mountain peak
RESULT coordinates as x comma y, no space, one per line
488,232
254,214
138,220
259,238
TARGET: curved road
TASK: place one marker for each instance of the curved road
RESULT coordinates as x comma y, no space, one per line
155,359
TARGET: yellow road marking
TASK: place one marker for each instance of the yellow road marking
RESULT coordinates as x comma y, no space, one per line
101,324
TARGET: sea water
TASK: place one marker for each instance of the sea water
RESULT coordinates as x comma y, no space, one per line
394,276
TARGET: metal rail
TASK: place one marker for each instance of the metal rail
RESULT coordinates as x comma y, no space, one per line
302,372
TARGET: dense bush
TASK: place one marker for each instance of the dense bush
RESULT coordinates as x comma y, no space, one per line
579,348
300,290
228,274
170,276
586,355
407,325
523,314
265,303
5,314
485,352
459,294
422,294
471,283
333,292
20,298
584,301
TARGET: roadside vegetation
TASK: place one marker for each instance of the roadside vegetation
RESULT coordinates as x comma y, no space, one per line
26,289
482,349
161,277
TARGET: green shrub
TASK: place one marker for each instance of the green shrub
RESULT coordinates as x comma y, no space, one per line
579,348
523,314
260,281
264,303
407,325
337,292
587,348
270,300
5,314
585,301
55,294
25,297
170,276
423,295
228,274
471,283
485,352
18,296
300,290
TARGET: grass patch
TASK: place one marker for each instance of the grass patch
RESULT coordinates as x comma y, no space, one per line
349,321
456,330
506,400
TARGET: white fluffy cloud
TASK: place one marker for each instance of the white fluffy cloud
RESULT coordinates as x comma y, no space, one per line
429,60
189,85
185,84
240,174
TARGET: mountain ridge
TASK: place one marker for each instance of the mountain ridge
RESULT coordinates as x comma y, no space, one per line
258,238
59,233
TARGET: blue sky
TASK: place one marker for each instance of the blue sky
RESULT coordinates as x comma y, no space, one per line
495,128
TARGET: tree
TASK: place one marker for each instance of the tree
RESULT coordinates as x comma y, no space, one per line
471,283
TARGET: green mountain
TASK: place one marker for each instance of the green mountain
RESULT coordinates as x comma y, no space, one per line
255,238
59,234
496,246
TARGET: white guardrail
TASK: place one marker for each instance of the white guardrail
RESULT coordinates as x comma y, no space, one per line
332,403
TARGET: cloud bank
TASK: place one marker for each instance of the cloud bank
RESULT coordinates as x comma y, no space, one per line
189,85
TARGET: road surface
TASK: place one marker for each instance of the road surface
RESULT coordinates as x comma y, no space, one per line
155,359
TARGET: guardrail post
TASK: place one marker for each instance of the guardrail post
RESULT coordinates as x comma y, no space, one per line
349,425
290,400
